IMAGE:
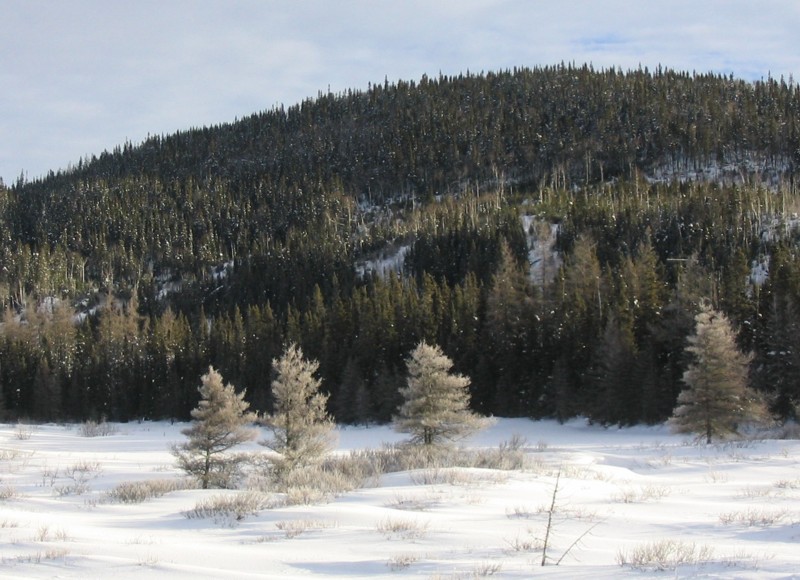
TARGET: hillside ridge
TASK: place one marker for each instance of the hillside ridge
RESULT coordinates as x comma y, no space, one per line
645,191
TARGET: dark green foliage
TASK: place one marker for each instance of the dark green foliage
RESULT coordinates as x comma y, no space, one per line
220,245
780,363
511,322
777,363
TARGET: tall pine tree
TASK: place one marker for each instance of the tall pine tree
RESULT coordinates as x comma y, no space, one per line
436,403
302,430
218,424
717,399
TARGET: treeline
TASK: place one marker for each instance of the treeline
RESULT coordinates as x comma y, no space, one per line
604,336
125,276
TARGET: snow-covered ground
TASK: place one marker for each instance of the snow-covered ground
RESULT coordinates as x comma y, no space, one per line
729,511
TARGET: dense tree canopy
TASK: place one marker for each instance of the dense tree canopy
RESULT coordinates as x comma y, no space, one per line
357,225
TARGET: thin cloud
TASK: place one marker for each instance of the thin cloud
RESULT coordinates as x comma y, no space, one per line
82,77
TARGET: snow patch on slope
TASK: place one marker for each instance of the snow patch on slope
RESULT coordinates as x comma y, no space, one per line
543,258
391,259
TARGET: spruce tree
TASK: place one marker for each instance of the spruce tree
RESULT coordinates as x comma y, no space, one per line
436,406
717,399
219,423
779,363
613,395
302,430
510,319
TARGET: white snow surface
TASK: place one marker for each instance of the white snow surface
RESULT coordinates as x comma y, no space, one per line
543,258
738,503
390,260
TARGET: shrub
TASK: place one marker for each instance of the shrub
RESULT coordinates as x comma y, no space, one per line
77,478
229,508
139,491
321,482
454,476
664,555
23,432
508,456
787,484
753,517
527,543
403,528
413,502
647,493
315,484
7,492
485,569
95,429
338,474
372,463
401,561
293,528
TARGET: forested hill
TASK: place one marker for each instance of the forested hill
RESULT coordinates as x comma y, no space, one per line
643,193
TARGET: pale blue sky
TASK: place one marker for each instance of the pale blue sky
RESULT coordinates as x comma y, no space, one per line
78,77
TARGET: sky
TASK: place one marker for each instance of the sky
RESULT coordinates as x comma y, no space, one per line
78,77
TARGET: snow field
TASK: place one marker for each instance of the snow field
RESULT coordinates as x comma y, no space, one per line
638,496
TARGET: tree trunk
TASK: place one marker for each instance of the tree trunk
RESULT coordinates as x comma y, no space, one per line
206,470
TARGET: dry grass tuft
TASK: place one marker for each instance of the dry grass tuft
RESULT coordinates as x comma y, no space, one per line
140,491
664,555
229,509
406,529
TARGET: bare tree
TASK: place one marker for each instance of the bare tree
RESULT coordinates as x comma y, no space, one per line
436,407
717,399
302,430
219,423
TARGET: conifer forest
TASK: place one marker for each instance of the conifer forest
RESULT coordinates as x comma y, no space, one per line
553,230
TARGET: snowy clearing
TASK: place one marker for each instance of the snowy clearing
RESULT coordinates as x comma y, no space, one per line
629,503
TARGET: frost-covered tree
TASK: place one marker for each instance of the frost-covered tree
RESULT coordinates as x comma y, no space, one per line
219,423
717,399
436,403
302,430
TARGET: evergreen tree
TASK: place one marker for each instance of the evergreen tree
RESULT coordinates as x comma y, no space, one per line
263,342
218,424
717,399
119,350
561,390
168,351
46,393
779,368
582,290
614,395
384,393
510,320
352,404
436,403
266,211
302,430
